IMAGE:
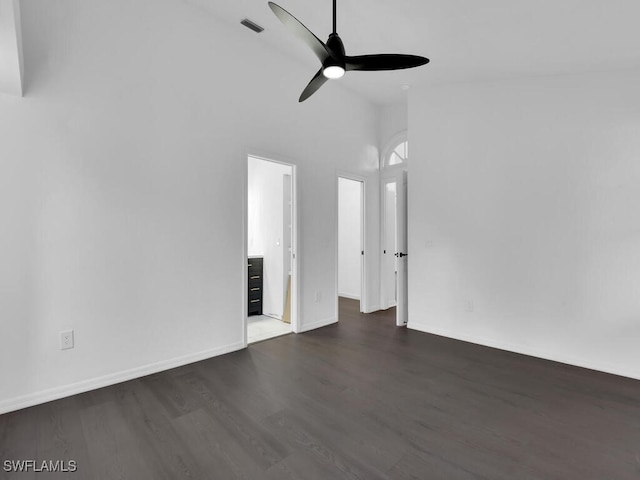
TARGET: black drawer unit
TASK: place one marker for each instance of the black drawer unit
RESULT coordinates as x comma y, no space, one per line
255,285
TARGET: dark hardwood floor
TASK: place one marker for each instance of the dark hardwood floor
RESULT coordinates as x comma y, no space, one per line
358,400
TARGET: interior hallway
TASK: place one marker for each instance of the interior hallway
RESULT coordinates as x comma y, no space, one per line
263,327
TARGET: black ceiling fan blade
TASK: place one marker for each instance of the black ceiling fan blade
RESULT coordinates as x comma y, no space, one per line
302,32
385,61
313,86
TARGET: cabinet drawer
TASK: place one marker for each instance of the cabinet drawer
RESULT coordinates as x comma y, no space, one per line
255,294
255,279
255,307
255,271
255,262
255,266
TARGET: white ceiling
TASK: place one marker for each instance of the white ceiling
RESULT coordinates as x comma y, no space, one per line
466,40
10,48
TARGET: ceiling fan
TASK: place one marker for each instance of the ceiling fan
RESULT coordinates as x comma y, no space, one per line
335,62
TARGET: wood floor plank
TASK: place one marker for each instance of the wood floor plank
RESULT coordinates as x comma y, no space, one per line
148,418
61,436
171,395
414,467
18,440
262,402
114,451
318,439
265,448
304,465
219,455
361,399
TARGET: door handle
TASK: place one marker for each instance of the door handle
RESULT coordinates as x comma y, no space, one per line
400,255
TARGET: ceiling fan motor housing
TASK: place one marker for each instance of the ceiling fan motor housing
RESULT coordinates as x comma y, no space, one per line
335,45
333,57
334,42
336,59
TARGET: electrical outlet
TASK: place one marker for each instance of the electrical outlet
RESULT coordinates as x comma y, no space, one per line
66,340
468,305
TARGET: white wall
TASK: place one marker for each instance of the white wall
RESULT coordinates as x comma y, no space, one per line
349,238
524,199
265,216
392,120
122,175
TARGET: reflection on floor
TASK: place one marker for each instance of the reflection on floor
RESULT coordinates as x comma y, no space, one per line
261,327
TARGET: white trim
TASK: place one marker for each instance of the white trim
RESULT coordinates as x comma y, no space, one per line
364,297
82,386
296,267
346,295
296,261
390,173
526,350
363,237
397,139
318,324
372,308
245,252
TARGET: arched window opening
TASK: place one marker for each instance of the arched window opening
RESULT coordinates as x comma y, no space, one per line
397,153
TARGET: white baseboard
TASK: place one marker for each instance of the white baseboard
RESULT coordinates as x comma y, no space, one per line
352,297
56,393
365,308
317,324
527,350
372,308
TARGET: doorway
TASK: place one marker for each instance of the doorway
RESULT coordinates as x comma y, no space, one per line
351,250
270,246
394,274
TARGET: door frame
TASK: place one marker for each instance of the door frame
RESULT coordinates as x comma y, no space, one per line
363,237
383,235
295,251
399,174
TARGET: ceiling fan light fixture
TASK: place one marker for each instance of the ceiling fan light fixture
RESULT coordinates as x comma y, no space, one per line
333,71
333,58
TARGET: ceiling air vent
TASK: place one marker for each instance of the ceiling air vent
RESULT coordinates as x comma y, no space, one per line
252,26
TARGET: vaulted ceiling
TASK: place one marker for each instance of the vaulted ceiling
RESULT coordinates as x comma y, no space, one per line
10,48
466,40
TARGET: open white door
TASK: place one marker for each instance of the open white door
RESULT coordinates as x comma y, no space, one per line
401,254
270,285
394,258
